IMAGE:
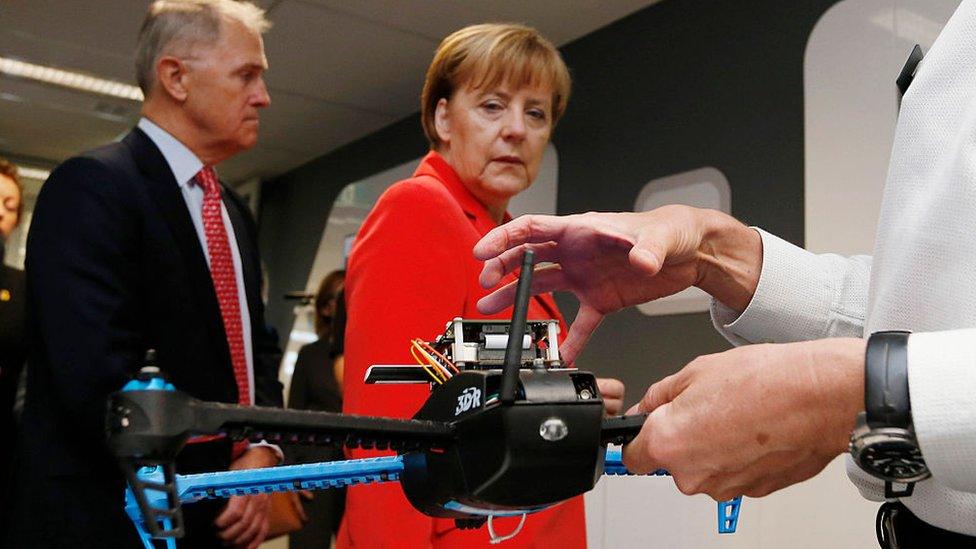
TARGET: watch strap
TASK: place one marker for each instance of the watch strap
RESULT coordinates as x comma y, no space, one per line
886,400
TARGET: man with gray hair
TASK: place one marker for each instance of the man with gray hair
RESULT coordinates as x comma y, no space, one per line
137,246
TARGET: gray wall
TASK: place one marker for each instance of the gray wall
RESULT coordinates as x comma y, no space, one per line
677,86
295,207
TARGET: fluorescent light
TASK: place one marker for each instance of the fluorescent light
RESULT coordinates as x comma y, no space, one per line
33,173
68,79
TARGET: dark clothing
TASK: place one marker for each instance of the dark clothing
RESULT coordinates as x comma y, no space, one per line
115,267
339,319
313,384
899,528
314,387
13,352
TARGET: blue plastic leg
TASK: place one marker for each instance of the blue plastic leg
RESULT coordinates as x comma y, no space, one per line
728,515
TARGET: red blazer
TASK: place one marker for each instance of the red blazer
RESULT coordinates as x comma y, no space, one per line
411,271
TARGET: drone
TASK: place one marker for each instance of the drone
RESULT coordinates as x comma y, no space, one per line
508,430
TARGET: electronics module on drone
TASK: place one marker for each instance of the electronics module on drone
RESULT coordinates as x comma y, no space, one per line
506,431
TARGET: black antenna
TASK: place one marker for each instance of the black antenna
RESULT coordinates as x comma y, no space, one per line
516,333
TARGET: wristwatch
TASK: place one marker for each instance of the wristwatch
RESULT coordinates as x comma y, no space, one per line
883,443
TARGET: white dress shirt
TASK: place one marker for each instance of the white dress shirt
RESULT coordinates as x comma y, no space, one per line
922,278
185,165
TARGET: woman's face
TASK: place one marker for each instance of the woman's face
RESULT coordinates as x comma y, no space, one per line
9,202
494,139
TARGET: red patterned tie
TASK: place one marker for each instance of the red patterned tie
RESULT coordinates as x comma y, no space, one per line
225,283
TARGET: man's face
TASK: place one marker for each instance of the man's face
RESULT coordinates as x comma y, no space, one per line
225,89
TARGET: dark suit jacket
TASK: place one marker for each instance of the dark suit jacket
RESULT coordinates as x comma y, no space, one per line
115,267
13,352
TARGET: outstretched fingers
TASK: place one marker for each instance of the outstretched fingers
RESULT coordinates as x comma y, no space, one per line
544,279
511,260
522,230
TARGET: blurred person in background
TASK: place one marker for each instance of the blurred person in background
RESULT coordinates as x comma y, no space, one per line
491,99
316,384
13,346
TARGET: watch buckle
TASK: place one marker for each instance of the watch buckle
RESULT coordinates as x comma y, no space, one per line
891,494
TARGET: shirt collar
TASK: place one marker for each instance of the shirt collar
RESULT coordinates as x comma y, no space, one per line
435,166
182,162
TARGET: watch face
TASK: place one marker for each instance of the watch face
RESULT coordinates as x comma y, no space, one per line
893,459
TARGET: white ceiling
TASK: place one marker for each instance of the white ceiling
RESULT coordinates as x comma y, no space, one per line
340,69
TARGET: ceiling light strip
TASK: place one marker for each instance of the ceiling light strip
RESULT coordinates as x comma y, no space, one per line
33,173
69,79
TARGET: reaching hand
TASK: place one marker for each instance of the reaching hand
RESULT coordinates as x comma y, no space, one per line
614,260
752,420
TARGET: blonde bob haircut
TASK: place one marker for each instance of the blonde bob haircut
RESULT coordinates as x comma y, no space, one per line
488,55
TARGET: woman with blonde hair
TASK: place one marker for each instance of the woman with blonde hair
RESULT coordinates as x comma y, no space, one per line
491,99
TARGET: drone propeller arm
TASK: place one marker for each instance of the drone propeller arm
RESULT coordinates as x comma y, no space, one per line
277,425
621,429
152,426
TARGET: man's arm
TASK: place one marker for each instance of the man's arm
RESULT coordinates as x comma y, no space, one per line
84,288
787,409
616,260
800,296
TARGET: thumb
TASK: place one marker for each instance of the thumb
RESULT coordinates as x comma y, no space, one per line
651,249
639,455
645,260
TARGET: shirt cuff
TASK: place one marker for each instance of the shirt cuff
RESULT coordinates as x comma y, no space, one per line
941,383
277,451
791,303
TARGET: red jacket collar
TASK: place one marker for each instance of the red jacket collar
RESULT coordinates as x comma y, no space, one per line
435,166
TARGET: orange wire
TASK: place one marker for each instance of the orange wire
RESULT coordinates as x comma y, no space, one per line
425,366
434,351
444,372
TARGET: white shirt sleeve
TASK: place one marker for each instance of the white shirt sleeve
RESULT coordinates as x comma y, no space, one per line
942,389
800,296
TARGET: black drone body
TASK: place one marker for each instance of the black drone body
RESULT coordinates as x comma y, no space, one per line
503,458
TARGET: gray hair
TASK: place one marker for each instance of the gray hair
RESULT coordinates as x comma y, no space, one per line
176,27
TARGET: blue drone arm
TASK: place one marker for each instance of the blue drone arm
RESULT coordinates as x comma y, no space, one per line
312,476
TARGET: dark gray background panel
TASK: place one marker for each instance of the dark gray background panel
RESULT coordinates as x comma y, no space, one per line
296,205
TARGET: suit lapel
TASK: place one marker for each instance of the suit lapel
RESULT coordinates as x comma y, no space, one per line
166,193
